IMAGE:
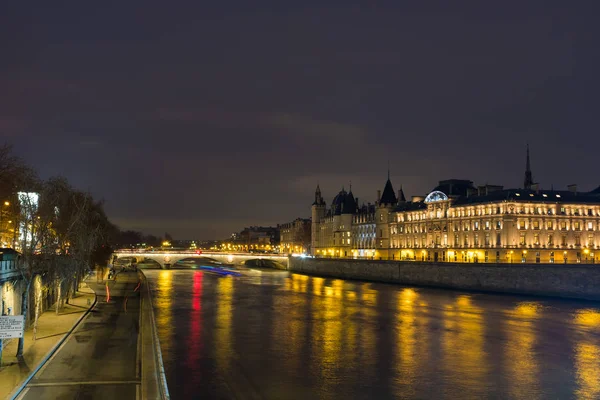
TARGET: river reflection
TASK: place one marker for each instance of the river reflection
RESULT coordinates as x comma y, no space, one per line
278,336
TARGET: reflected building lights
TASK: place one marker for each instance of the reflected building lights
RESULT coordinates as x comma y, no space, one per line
164,304
327,326
522,366
406,358
587,355
587,363
317,284
222,337
465,359
588,317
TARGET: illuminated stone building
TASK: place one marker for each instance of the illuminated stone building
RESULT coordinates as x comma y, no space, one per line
295,236
459,222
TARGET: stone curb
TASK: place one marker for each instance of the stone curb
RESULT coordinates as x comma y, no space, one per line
160,372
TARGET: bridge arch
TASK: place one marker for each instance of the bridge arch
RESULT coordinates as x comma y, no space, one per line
166,259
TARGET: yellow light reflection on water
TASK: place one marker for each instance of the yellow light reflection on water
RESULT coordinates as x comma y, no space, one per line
587,354
222,338
299,283
528,310
587,362
369,296
588,317
318,286
464,357
164,303
289,331
327,325
522,365
407,360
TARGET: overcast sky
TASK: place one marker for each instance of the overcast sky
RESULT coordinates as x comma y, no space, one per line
199,118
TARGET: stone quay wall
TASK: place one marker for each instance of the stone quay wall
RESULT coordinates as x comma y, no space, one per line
580,281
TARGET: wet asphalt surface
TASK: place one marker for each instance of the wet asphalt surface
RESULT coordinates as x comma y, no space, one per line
99,359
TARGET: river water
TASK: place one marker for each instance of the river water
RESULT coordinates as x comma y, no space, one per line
276,335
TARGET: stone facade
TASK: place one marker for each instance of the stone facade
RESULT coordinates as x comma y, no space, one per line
295,236
458,222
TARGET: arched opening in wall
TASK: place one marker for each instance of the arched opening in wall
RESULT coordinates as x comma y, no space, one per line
7,298
197,262
124,261
148,263
263,263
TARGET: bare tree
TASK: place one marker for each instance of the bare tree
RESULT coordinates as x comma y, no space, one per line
59,230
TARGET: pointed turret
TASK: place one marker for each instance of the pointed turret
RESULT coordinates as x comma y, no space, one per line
528,183
318,211
401,198
349,204
318,198
388,197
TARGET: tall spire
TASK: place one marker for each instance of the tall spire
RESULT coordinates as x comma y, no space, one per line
318,198
388,170
528,178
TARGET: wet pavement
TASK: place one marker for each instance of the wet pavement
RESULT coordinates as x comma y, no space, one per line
99,359
274,335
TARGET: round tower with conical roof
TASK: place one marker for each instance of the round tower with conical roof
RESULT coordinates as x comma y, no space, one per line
318,210
385,206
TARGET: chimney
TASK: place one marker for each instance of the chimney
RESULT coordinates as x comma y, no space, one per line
572,188
378,195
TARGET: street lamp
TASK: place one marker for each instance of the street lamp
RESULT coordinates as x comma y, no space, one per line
6,203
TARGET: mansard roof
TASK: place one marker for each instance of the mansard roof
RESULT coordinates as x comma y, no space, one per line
410,206
454,187
388,196
524,196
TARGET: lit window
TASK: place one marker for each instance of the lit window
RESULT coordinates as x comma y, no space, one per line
530,194
558,195
545,195
517,194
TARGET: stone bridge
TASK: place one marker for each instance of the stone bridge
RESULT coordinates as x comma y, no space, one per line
167,258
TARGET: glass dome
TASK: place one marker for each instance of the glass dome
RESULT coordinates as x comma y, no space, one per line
435,196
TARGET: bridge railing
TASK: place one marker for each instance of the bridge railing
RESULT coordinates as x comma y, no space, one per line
197,253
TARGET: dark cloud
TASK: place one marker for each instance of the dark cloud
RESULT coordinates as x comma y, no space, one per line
200,118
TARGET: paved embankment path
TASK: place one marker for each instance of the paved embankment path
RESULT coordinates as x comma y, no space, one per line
99,359
51,329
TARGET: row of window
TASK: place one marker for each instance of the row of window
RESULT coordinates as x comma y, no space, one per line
472,212
563,225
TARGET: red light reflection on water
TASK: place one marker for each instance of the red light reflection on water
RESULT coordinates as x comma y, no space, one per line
194,338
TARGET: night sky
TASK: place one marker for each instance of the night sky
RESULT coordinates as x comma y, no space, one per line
198,118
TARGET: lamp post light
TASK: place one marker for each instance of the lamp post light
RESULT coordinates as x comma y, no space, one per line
6,204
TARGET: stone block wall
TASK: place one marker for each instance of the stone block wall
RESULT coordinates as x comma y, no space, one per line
572,280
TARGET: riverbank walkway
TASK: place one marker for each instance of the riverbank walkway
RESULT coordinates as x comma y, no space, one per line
99,359
51,329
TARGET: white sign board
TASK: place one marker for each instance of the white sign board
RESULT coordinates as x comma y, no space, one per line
11,326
